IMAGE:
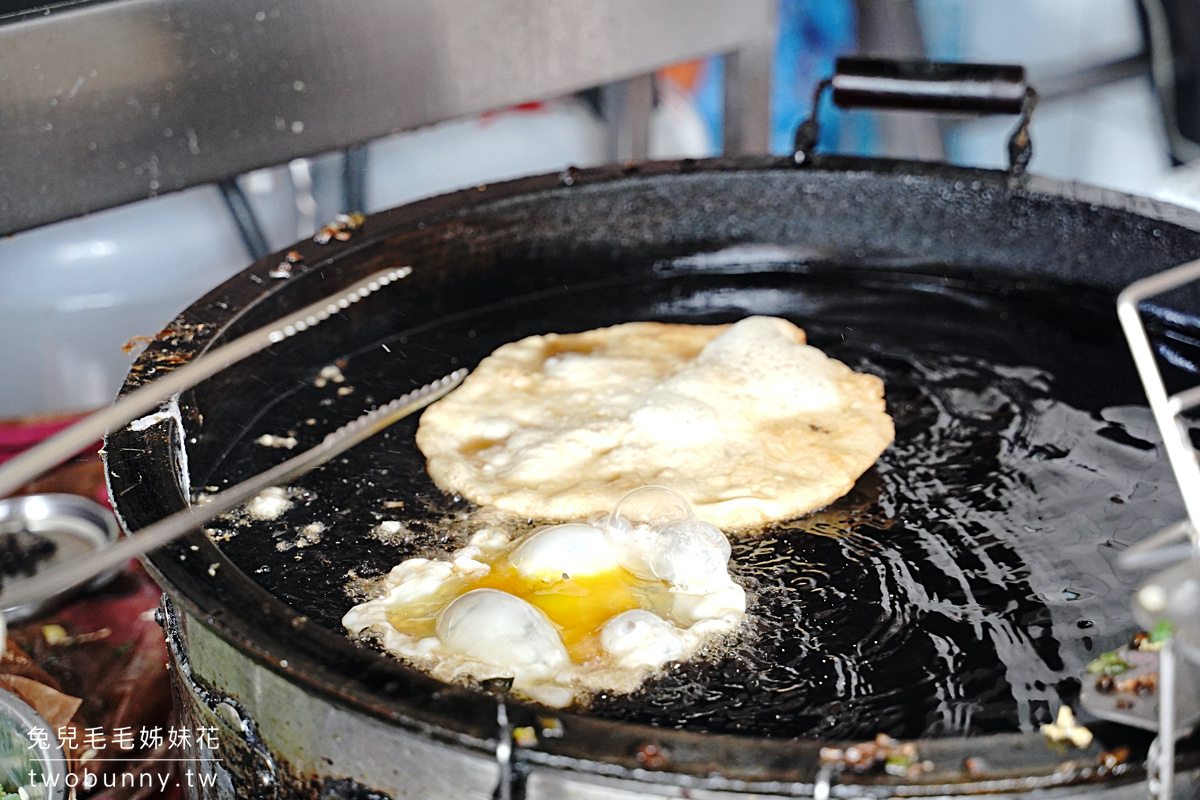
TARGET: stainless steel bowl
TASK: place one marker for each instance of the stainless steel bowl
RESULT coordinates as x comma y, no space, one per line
74,525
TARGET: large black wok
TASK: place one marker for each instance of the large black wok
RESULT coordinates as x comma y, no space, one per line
953,597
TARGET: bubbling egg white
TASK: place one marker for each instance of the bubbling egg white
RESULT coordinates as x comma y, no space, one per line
564,610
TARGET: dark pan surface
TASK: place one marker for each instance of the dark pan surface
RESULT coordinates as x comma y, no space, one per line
961,587
958,590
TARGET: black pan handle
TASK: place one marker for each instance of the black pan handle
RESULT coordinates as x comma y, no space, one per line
865,82
860,82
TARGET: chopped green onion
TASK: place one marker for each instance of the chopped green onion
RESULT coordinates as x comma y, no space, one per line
1161,632
1109,664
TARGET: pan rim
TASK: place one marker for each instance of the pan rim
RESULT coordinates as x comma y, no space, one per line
210,597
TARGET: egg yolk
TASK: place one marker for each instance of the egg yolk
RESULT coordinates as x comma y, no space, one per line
578,605
566,608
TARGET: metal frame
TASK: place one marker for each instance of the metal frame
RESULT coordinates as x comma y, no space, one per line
1167,410
105,103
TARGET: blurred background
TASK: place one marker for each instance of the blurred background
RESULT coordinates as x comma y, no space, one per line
1116,105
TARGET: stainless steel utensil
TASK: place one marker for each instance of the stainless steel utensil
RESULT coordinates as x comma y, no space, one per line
78,571
52,452
67,520
71,527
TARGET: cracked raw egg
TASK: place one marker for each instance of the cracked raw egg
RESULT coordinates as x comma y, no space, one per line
566,609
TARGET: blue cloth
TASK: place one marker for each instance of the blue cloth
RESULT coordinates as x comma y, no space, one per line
812,33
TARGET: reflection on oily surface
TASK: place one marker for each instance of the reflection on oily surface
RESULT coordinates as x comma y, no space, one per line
962,587
959,589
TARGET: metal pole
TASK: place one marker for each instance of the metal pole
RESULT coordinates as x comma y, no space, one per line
747,127
627,107
1166,723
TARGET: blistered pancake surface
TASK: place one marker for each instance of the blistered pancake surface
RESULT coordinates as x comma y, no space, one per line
746,421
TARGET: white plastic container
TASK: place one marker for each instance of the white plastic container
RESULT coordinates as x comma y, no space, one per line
73,293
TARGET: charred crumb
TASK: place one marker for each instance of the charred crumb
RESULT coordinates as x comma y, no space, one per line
651,756
330,374
895,758
363,587
159,352
271,440
435,538
494,685
1141,685
525,736
311,534
391,532
266,506
974,765
218,535
551,728
371,639
284,268
177,333
341,229
1066,729
1111,759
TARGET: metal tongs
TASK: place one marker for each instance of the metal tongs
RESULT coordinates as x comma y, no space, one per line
66,444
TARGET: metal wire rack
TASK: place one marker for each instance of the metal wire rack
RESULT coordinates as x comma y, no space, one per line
1171,597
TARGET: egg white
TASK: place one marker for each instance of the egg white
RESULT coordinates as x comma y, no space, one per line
564,610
